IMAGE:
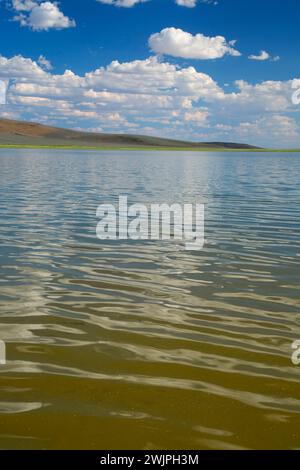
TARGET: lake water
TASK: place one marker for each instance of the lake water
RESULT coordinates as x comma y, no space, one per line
145,345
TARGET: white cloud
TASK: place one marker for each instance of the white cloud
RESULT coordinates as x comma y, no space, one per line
44,63
187,3
19,67
41,16
197,116
122,3
132,3
269,96
23,5
264,55
152,96
285,128
178,43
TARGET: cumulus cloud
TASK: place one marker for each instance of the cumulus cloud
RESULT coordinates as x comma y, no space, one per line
198,116
23,5
178,43
41,16
284,127
262,56
22,68
151,96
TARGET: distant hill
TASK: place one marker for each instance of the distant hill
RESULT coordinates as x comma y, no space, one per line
30,133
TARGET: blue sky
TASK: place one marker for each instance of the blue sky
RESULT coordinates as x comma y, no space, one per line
200,70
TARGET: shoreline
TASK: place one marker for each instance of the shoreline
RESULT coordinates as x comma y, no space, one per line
142,148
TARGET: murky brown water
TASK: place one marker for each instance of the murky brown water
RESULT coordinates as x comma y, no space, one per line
142,344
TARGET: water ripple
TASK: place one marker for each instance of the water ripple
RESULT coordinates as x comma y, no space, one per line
146,343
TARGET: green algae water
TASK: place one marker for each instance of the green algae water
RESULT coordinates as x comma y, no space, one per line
142,344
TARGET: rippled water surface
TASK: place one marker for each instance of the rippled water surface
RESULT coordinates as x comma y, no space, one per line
143,344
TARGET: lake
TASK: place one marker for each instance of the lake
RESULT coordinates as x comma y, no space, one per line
142,344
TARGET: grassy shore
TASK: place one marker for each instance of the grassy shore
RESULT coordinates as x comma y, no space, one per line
142,148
